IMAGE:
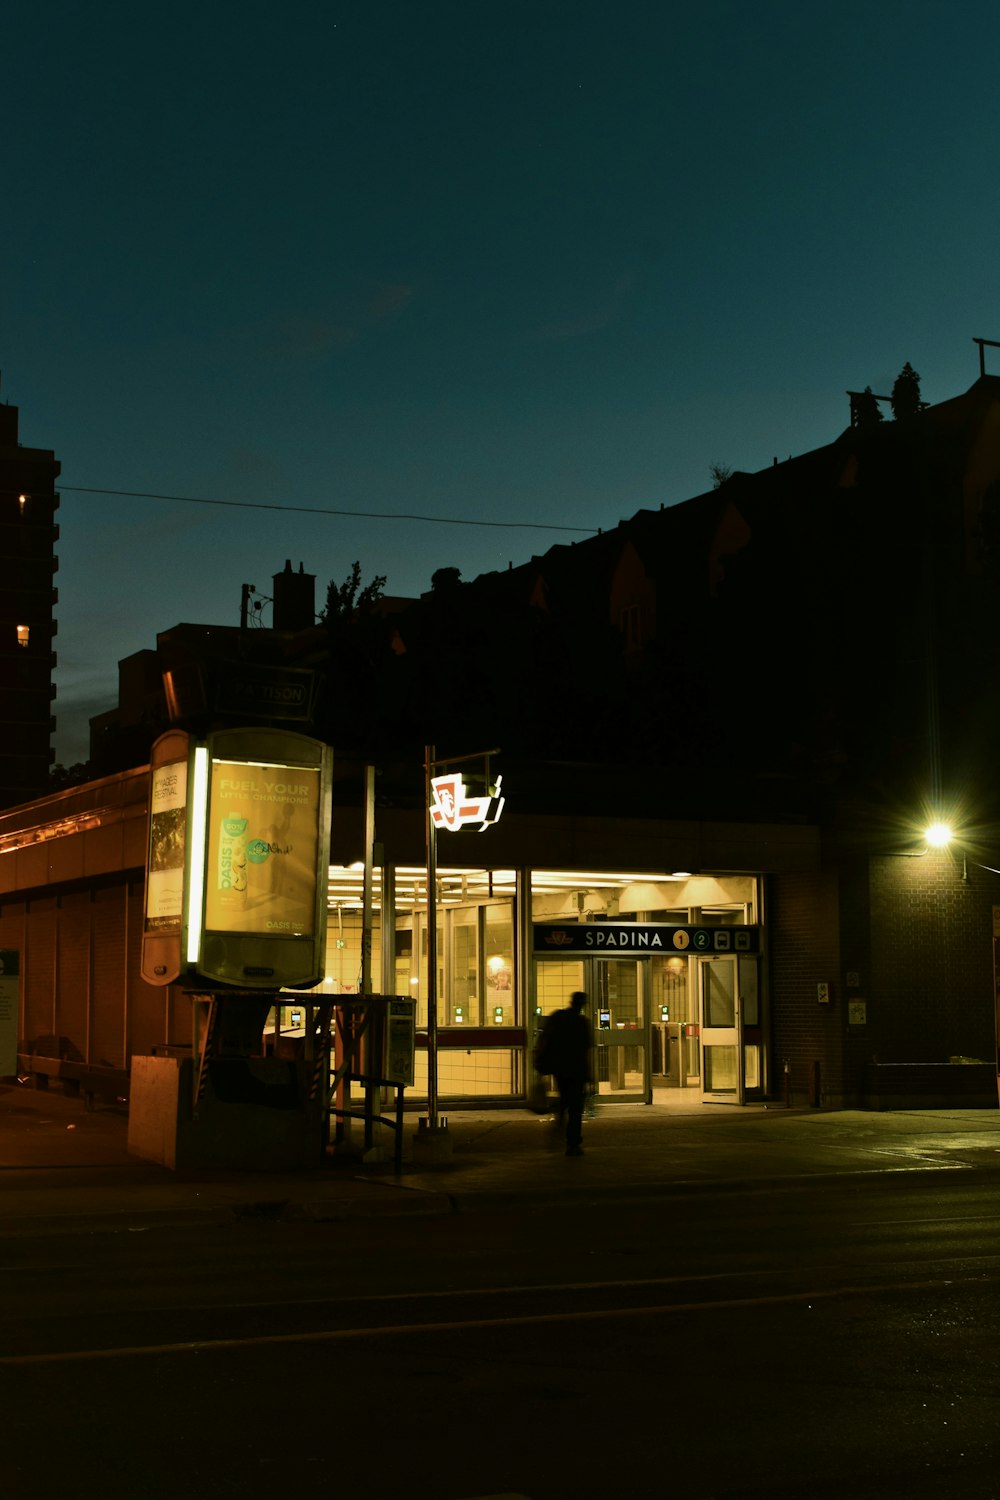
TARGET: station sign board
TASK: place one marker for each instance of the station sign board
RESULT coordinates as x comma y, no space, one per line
454,807
642,939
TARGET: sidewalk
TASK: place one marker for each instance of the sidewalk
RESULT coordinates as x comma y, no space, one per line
62,1167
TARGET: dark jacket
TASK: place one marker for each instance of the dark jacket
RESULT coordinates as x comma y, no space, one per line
564,1048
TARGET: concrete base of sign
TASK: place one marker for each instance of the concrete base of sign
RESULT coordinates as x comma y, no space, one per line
349,1147
382,1148
431,1144
251,1118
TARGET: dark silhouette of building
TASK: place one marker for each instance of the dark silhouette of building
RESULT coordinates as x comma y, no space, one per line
803,657
28,533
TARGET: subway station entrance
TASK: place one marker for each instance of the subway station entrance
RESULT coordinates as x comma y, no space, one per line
667,1028
671,968
669,963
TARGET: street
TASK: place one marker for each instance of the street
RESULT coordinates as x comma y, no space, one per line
826,1339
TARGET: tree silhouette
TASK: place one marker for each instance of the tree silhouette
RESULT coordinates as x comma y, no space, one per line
346,599
867,412
443,579
905,398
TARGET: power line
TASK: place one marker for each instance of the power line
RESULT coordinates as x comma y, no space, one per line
317,510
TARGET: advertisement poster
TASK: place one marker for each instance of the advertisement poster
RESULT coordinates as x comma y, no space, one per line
9,990
263,843
165,873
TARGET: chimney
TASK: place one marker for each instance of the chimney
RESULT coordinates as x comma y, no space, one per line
294,599
8,426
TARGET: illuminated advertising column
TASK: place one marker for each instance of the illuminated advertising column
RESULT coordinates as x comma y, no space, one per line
257,866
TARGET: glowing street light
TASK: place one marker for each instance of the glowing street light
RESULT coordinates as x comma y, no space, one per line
938,835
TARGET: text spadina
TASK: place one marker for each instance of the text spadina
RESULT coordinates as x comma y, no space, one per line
645,937
622,937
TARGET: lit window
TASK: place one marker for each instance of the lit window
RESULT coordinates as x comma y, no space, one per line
23,631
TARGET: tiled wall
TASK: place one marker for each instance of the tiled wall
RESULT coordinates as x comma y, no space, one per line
555,982
478,1073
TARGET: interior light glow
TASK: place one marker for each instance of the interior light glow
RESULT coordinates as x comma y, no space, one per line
77,823
938,835
465,883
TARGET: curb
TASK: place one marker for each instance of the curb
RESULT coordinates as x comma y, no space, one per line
421,1205
110,1221
137,1221
418,1202
605,1195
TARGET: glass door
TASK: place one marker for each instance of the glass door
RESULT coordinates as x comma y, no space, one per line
721,1069
621,1029
731,1041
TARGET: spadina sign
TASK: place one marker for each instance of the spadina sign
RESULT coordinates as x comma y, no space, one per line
643,938
454,808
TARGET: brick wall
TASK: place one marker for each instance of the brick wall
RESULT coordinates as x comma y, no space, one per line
932,959
908,937
804,951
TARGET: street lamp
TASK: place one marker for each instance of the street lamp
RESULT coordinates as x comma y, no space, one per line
938,835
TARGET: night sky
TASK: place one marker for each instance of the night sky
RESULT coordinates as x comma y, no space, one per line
536,263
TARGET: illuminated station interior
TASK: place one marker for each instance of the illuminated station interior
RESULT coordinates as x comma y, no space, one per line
495,986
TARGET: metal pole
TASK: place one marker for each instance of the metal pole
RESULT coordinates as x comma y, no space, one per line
388,921
432,999
387,906
366,933
372,1066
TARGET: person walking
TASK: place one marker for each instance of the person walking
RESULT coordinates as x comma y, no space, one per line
564,1053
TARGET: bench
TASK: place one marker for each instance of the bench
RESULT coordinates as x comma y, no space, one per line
90,1080
946,1085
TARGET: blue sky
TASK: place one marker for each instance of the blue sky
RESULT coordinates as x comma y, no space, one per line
540,264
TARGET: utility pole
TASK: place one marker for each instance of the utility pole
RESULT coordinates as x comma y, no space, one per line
432,1139
433,1123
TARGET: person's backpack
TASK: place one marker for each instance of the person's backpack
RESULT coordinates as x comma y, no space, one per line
545,1051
